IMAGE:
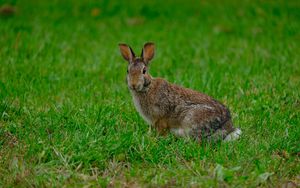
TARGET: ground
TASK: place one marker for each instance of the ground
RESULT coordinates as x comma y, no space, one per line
67,117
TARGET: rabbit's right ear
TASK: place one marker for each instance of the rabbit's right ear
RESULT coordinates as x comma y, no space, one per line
148,52
126,52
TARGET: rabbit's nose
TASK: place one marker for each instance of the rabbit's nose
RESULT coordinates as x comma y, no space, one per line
133,86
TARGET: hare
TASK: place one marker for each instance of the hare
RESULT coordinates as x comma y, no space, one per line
172,108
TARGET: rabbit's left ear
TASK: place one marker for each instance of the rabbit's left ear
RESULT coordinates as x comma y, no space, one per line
148,52
126,52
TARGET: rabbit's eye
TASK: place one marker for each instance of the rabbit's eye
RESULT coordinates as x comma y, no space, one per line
144,70
127,71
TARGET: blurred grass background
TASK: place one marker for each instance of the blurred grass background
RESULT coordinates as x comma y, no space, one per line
67,119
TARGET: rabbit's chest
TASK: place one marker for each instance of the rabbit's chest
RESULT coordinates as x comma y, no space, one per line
143,110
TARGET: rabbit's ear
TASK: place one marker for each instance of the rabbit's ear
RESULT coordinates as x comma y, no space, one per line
148,52
126,52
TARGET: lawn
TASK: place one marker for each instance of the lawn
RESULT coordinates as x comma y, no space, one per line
67,117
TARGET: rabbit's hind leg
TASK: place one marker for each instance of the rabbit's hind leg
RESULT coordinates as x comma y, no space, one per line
161,125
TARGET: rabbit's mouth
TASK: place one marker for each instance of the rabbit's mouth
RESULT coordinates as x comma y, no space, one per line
136,88
140,88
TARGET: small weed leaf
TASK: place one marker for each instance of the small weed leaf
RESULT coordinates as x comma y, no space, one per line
219,172
264,177
224,174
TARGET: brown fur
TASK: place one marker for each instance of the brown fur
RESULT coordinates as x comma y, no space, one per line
169,107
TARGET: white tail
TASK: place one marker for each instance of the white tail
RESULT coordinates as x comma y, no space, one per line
233,135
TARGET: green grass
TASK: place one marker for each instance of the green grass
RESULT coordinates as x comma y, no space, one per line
67,118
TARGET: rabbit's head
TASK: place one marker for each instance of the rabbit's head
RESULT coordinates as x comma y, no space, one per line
138,78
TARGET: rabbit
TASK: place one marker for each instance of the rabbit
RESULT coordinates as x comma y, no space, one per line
171,108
